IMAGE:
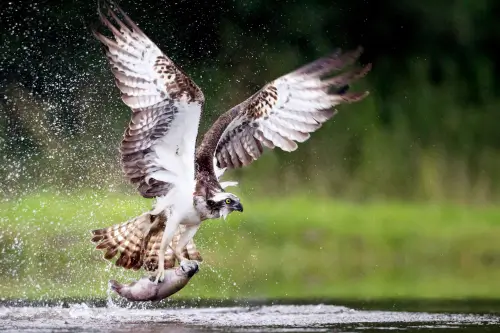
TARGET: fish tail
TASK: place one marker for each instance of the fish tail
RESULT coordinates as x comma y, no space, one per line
115,285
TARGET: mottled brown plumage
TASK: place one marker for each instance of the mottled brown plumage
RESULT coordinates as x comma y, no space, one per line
136,243
158,152
154,88
283,112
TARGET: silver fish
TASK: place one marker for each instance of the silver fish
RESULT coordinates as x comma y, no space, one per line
145,289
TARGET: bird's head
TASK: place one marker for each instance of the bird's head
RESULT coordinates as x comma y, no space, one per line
225,203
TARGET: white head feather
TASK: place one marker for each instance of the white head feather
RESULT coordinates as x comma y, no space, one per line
221,196
219,172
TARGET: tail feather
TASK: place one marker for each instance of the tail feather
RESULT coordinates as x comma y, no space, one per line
125,239
137,243
110,253
153,250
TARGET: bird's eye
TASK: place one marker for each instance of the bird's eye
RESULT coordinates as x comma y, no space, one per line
228,201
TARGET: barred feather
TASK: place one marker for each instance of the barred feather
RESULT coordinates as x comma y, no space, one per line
166,105
137,243
283,113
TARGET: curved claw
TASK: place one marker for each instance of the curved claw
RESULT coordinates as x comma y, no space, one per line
160,276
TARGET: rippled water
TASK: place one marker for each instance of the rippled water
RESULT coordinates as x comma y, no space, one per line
267,318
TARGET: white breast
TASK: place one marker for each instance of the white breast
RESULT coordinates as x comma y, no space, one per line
192,217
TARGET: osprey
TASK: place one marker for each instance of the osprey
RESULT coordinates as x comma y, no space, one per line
158,149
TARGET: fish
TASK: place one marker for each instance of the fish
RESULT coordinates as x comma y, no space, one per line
146,289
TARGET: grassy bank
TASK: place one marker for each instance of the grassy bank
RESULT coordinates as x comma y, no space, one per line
278,248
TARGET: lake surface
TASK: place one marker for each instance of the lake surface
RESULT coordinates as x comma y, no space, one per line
166,317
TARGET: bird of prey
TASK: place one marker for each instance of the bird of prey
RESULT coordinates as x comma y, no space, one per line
158,150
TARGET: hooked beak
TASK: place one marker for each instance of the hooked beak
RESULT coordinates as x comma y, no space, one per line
238,206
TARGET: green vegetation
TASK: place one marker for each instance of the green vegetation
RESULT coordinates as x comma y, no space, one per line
428,131
397,196
279,248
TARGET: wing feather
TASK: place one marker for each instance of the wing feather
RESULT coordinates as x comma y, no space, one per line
166,106
284,112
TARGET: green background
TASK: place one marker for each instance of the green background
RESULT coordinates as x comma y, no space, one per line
396,197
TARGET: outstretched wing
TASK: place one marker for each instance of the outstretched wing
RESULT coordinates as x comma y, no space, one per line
157,150
282,113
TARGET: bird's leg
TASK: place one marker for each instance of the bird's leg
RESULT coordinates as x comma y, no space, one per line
176,256
168,234
186,236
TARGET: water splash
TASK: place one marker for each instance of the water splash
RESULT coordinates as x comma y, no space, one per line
270,318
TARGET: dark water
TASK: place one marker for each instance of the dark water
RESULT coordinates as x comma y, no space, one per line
250,317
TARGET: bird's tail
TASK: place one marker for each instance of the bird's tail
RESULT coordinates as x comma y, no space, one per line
137,243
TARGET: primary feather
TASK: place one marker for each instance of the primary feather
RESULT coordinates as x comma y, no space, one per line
157,150
158,146
283,113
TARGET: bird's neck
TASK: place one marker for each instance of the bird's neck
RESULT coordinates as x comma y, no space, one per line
207,184
204,210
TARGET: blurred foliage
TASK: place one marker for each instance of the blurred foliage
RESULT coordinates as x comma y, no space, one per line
285,249
427,132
